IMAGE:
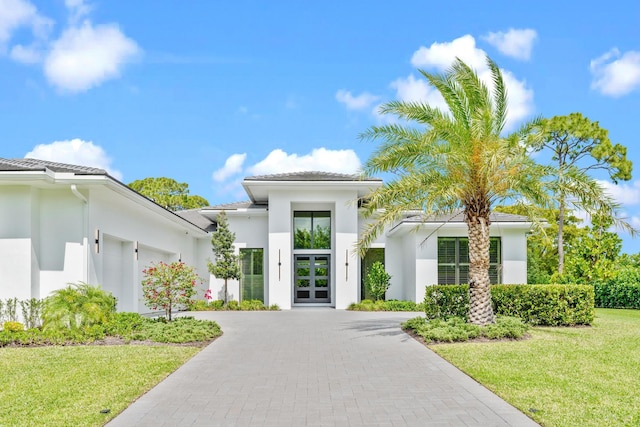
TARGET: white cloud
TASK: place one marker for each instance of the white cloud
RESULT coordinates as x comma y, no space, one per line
15,14
615,74
625,194
514,43
25,54
232,166
77,9
86,56
76,152
360,102
410,89
320,159
228,181
440,56
83,56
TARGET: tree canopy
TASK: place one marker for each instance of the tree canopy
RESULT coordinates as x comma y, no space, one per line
578,146
446,160
168,193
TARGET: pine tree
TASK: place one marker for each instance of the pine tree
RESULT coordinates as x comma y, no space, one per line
226,265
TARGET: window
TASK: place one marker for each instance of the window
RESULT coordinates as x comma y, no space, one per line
453,260
252,281
312,230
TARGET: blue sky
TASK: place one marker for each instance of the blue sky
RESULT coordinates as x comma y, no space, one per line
207,92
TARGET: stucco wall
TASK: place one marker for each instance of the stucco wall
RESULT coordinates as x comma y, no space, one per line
47,241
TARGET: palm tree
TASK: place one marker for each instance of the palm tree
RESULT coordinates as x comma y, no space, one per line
447,161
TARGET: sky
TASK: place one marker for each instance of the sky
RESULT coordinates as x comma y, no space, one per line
207,92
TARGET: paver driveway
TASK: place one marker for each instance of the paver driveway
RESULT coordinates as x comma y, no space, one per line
317,366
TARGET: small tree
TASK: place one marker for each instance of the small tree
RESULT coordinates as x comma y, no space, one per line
226,265
377,281
168,286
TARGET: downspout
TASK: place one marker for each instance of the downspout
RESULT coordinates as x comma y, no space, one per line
85,239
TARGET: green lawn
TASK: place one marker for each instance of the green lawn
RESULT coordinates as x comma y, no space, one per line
69,386
586,376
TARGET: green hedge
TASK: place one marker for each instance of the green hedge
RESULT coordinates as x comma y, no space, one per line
617,295
551,305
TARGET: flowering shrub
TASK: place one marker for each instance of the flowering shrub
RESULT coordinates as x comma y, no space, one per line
207,295
168,286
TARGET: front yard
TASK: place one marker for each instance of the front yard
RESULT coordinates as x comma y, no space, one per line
71,385
584,376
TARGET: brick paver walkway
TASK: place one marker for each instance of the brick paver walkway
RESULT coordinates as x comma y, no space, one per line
317,367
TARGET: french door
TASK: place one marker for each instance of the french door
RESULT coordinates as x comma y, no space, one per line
312,278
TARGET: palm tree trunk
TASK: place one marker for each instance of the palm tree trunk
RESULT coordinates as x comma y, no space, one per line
480,309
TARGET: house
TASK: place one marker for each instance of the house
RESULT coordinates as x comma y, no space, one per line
296,237
62,224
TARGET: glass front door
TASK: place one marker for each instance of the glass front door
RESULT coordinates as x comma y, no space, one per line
311,282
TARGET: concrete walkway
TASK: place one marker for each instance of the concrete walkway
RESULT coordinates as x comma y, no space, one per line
317,367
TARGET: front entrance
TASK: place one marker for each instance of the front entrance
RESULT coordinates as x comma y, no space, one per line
312,278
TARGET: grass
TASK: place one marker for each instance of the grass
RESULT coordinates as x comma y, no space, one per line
70,385
585,376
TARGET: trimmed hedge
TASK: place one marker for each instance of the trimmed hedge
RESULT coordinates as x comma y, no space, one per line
617,295
549,305
381,305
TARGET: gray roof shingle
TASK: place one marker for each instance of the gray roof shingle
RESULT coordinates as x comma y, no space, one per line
11,165
236,205
310,176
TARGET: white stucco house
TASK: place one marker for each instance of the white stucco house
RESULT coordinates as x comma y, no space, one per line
295,235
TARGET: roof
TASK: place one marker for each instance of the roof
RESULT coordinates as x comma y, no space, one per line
42,165
195,218
458,217
36,165
310,176
236,205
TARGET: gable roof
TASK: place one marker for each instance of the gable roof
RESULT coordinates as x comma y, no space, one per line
310,176
17,165
84,176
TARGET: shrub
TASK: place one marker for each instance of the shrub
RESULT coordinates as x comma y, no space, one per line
252,305
180,330
617,295
505,327
124,323
457,329
233,305
445,301
11,310
11,326
32,312
623,291
216,304
391,305
168,286
76,306
551,305
198,305
377,281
